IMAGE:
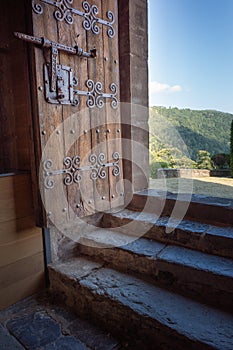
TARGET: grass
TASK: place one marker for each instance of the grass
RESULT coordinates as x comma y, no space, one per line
209,186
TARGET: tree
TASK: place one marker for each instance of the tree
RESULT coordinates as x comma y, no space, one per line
204,160
231,149
221,161
169,158
208,128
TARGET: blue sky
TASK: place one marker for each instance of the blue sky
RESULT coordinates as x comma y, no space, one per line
191,54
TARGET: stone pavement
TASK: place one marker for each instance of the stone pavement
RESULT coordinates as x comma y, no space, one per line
38,323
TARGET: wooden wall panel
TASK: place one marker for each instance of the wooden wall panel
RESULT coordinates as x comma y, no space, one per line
15,197
17,250
21,289
14,273
21,247
15,109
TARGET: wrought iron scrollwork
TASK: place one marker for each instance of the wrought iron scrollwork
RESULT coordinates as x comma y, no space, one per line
116,169
91,20
48,181
95,95
72,169
97,167
65,11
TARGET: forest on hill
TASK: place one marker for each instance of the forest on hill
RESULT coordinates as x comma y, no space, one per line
180,135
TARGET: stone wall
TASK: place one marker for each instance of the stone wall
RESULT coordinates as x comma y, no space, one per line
186,173
220,173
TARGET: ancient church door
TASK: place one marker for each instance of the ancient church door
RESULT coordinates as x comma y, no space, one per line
75,68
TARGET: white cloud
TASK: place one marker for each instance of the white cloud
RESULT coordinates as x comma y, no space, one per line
155,87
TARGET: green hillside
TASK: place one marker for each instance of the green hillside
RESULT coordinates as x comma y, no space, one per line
198,130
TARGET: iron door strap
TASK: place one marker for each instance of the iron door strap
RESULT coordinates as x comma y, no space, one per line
95,95
64,12
73,169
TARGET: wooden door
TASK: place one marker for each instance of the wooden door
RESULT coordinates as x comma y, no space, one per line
76,102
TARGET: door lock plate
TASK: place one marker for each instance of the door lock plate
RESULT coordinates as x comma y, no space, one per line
64,83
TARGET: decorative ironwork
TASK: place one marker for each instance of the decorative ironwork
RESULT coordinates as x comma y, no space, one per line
91,20
62,92
96,96
60,82
48,173
98,167
116,169
44,42
72,169
65,11
58,79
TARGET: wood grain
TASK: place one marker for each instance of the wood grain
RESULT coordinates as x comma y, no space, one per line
16,250
88,196
15,110
21,289
98,115
15,197
113,116
21,247
23,268
48,118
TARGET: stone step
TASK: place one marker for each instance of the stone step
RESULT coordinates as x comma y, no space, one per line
206,277
146,315
196,207
199,236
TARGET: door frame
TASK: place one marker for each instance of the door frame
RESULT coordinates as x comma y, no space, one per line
133,52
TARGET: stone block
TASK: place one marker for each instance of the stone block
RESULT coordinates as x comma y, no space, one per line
92,336
35,330
66,343
8,342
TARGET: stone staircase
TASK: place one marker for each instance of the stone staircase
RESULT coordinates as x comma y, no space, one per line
158,283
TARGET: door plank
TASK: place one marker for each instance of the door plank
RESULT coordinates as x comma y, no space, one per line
113,120
50,116
98,116
77,118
